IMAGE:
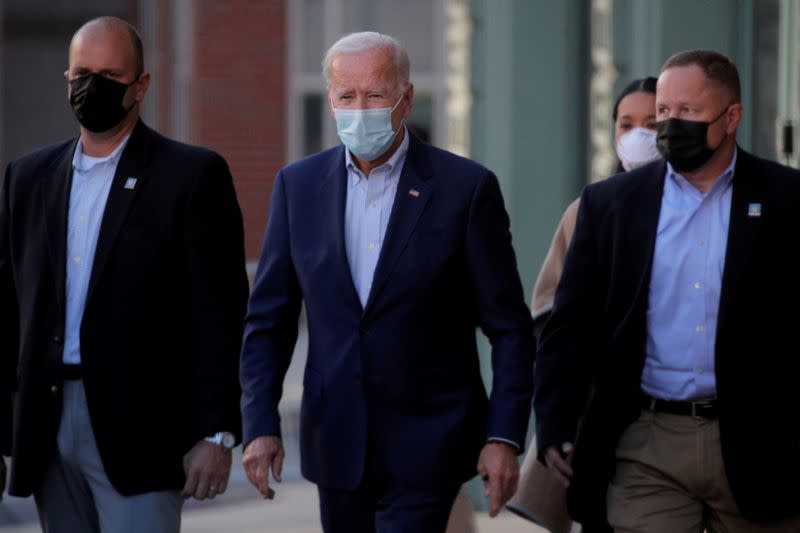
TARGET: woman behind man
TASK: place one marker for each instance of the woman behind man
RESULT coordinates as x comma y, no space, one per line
540,497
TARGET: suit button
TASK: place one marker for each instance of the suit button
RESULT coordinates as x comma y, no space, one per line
57,339
54,389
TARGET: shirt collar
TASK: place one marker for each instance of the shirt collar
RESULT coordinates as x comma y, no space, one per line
722,181
398,156
84,163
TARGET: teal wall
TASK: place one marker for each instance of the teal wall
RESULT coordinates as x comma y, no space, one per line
529,120
646,33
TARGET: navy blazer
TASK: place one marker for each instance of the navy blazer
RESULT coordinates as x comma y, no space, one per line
400,376
596,336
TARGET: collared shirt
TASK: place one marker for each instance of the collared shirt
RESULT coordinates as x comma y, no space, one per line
91,183
685,287
369,206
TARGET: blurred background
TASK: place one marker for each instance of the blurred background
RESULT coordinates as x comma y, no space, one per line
525,87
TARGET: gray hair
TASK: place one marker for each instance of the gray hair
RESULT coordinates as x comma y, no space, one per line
368,40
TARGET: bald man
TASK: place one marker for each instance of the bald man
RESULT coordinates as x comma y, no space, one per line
122,297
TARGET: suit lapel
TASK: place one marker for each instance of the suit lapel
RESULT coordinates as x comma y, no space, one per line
56,193
643,227
410,200
334,199
743,229
132,165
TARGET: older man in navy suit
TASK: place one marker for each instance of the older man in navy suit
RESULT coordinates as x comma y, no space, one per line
399,251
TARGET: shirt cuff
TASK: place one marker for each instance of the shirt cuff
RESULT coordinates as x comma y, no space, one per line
506,441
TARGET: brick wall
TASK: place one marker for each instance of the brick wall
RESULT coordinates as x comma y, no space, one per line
238,97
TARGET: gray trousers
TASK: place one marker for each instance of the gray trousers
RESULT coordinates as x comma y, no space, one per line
76,495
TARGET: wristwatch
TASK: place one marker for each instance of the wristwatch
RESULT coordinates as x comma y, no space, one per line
223,439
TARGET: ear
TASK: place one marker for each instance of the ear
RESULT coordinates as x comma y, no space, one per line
330,104
408,96
141,87
734,117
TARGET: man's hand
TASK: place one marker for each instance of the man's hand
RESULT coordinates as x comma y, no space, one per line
557,463
260,455
207,467
500,471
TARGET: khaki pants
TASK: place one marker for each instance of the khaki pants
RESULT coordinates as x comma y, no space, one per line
670,478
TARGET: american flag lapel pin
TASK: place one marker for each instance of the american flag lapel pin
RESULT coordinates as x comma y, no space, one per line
130,184
414,193
753,210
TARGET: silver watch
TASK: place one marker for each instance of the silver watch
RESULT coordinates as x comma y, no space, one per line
223,439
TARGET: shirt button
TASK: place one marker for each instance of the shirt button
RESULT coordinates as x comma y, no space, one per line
372,246
700,370
697,285
372,205
700,328
701,243
83,218
77,259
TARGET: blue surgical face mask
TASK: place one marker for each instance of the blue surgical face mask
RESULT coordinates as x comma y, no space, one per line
367,133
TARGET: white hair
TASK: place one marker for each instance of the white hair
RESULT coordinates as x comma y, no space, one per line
368,40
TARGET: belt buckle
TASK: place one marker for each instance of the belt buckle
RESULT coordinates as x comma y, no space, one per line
702,406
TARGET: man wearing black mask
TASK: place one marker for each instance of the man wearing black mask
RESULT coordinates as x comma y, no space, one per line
122,298
678,307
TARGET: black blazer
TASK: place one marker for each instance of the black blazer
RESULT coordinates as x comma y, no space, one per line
163,318
597,332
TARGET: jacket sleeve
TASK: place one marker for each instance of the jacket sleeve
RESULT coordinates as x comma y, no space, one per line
216,289
502,313
562,374
9,320
271,324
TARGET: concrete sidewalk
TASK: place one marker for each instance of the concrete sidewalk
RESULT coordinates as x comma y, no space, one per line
294,510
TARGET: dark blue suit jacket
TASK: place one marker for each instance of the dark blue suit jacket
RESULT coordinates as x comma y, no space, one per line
400,376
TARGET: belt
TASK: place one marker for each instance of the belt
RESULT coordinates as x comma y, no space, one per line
72,372
699,409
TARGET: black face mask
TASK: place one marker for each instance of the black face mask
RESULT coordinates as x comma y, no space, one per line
684,143
97,102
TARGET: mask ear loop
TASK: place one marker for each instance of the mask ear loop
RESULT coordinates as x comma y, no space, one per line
402,122
724,112
131,84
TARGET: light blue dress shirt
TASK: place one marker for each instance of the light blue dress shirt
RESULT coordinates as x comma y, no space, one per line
369,206
91,183
685,287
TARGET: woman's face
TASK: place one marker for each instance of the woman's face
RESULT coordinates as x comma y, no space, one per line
636,110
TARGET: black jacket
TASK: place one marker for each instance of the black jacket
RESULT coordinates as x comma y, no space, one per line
596,336
163,317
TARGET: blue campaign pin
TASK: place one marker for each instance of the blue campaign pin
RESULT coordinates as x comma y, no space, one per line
131,183
753,210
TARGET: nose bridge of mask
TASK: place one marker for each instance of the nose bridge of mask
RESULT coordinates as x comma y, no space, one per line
637,133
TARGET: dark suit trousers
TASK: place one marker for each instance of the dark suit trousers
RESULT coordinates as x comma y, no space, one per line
383,504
